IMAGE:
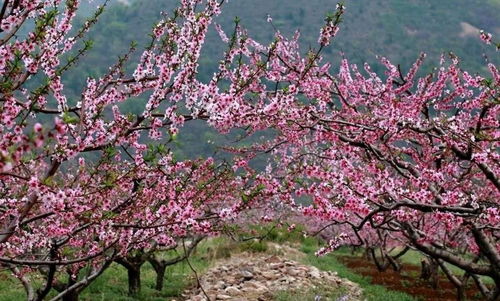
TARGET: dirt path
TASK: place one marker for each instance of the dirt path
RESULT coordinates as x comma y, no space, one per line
250,276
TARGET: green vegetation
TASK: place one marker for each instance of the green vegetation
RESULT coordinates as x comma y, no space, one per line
11,288
371,292
397,29
112,285
326,293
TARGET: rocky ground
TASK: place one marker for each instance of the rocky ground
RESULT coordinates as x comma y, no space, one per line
250,276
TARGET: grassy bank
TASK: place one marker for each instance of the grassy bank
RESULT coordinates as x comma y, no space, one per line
112,285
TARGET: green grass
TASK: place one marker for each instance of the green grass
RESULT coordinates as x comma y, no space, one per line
324,292
254,246
10,288
113,285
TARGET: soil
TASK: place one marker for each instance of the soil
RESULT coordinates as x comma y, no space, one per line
408,281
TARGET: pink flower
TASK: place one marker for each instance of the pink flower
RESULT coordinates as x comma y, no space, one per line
485,36
38,127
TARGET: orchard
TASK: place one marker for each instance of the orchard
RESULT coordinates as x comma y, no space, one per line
393,161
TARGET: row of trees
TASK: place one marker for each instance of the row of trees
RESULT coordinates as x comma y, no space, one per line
385,161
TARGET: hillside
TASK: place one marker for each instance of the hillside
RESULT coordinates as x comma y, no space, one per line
397,29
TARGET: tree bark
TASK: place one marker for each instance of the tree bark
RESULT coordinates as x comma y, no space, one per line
134,280
72,295
74,286
160,265
430,271
459,285
133,265
160,276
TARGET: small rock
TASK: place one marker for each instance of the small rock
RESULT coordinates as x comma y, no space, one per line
232,280
294,272
232,291
246,275
253,284
270,275
276,265
198,298
273,258
315,274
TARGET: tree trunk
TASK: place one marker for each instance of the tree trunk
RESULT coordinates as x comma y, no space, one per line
461,293
160,267
430,271
71,296
134,280
460,285
160,276
381,266
495,293
368,254
393,262
133,265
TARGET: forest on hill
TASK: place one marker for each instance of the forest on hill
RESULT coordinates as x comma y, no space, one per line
396,29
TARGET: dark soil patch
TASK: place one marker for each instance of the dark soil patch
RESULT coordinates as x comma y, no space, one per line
408,281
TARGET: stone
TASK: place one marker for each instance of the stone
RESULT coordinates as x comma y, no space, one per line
198,298
232,291
271,275
247,275
315,273
253,284
232,280
294,272
273,258
276,266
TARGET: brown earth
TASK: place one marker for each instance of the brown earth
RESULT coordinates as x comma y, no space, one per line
408,281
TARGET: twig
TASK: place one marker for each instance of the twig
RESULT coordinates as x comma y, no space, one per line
194,271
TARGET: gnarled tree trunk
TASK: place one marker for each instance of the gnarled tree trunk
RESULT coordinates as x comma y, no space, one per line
160,267
133,264
430,271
